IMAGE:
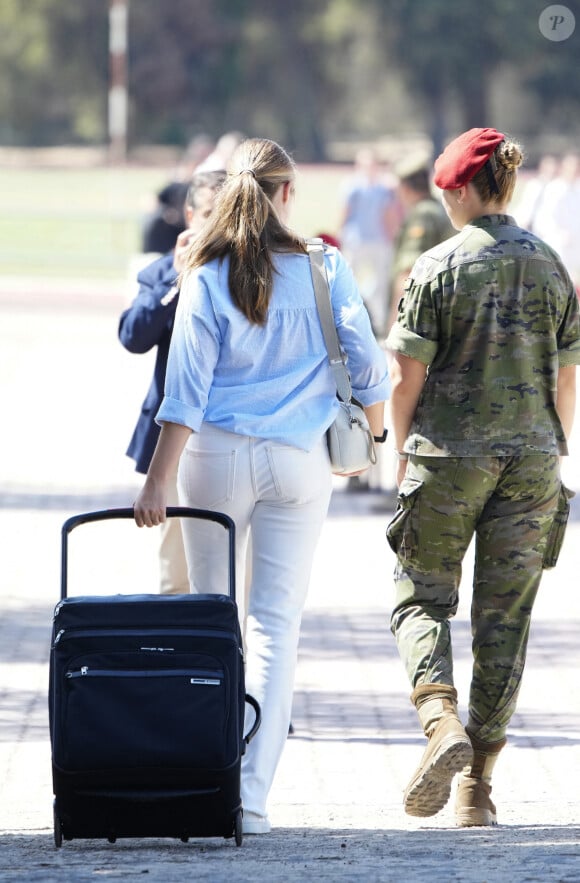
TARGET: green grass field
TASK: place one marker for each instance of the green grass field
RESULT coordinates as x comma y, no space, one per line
87,222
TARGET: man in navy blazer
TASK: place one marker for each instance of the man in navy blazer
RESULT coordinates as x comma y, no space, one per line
148,323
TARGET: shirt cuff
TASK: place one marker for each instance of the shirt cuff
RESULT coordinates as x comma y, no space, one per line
406,342
569,357
174,411
371,395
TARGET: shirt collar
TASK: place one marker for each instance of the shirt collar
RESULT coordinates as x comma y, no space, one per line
493,221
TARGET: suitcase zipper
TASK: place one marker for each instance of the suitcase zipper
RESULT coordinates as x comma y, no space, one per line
196,676
119,633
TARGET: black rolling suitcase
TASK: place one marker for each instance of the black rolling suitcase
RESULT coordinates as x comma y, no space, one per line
146,708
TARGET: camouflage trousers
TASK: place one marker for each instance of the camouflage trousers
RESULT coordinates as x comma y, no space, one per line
517,509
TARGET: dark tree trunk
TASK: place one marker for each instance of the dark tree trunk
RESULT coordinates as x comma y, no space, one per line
475,101
437,116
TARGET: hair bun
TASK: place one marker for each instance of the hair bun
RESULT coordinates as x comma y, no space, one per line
509,155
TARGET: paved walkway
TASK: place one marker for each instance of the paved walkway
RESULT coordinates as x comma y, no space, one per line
70,396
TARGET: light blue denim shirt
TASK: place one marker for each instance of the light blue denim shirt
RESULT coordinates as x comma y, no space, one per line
272,381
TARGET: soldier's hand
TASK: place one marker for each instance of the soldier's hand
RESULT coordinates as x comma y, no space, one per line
401,469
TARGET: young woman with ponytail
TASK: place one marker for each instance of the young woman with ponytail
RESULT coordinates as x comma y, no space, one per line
249,396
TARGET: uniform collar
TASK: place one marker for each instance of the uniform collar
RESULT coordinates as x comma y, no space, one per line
492,221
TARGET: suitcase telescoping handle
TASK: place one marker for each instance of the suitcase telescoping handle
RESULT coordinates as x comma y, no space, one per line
172,512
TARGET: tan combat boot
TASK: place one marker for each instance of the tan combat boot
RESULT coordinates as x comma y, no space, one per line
448,751
473,803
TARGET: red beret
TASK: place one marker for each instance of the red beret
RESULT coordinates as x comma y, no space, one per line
464,157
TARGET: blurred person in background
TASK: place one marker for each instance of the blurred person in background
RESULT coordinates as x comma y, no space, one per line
529,208
198,149
146,324
220,156
167,220
367,228
425,224
558,222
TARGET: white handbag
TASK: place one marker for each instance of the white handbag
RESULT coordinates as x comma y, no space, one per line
350,441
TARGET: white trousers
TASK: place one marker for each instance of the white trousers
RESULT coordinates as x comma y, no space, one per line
282,494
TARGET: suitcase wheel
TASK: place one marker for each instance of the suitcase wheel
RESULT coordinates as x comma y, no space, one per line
57,829
238,828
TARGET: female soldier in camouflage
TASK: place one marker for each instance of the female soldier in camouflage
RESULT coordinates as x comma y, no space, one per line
485,350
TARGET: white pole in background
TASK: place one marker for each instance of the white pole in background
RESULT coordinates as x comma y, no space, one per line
118,101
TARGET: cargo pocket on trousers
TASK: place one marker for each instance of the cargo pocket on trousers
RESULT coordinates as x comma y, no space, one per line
558,528
401,536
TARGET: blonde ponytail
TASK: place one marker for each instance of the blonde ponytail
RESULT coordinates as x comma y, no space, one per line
245,225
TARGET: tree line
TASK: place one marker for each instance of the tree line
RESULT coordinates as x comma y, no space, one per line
307,73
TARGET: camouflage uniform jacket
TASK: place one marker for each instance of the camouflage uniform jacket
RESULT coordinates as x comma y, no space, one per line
493,313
